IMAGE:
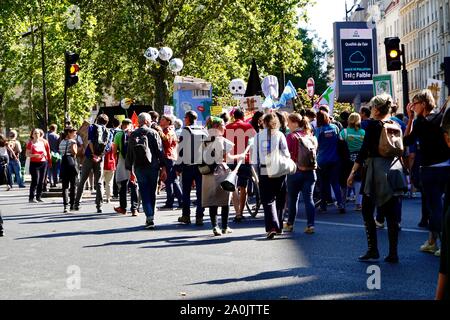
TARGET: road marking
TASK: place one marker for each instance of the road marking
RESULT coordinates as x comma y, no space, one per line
359,226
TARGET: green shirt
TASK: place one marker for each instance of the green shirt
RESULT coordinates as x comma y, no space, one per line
354,138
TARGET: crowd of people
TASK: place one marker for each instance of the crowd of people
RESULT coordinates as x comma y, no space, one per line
374,157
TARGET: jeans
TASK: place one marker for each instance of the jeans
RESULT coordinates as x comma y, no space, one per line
37,172
434,182
273,199
123,188
88,166
191,173
301,182
14,168
329,174
53,172
172,183
147,179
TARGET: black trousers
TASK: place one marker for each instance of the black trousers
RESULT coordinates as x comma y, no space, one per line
224,212
273,198
69,181
38,172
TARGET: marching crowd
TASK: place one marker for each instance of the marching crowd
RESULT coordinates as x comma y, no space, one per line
375,157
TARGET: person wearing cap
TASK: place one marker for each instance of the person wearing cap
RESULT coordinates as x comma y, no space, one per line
124,178
14,161
170,142
68,149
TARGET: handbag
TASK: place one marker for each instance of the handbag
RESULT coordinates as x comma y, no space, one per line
277,164
68,162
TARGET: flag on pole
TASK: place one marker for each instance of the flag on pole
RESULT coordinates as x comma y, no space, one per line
134,119
327,98
289,92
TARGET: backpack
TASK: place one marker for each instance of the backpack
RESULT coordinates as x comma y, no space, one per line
124,141
307,152
191,152
141,149
391,140
101,139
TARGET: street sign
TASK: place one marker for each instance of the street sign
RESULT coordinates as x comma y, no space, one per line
310,87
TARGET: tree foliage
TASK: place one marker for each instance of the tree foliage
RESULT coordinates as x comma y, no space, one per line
216,39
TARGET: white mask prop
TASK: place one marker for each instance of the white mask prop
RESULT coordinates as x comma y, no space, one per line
237,88
270,87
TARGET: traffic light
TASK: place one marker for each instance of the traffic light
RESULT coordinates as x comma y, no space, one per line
393,53
72,68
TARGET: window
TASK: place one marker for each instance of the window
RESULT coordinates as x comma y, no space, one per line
200,94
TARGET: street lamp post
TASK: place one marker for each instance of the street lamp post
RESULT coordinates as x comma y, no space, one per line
358,8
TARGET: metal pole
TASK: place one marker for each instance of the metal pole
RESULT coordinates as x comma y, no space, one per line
405,82
346,12
44,86
65,88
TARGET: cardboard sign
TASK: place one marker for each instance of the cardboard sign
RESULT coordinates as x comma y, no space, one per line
436,88
216,111
251,104
168,110
382,83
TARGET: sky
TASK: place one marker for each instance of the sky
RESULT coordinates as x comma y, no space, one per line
322,16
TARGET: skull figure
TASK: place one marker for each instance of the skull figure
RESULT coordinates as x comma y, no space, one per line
237,88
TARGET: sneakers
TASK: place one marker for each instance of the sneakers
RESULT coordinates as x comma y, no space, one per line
199,221
380,225
271,234
134,213
32,201
65,210
309,230
430,248
76,208
149,225
288,227
227,230
184,219
217,231
120,210
438,253
99,210
40,200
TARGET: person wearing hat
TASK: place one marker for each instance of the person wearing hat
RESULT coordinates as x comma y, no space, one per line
170,143
68,149
124,178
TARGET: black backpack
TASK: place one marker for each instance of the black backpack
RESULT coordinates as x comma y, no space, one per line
141,149
101,139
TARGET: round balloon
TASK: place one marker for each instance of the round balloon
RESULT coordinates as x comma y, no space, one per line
126,103
175,65
151,54
165,53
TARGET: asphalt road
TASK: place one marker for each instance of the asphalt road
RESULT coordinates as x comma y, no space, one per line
46,254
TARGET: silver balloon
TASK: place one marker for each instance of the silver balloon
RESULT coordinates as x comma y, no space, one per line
165,53
176,65
151,54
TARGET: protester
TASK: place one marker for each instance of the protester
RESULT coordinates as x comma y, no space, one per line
189,157
443,287
327,135
170,142
38,151
353,136
217,149
109,170
239,132
364,112
146,160
178,124
4,160
272,190
125,179
69,169
14,159
99,142
435,170
256,121
300,141
384,181
53,140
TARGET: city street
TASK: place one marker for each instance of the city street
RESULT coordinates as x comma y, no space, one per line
43,250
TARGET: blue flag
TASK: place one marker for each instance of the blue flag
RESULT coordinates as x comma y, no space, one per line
289,92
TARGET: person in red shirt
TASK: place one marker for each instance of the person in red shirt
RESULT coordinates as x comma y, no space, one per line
239,132
38,150
170,142
109,168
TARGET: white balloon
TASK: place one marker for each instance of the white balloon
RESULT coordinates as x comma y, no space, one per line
165,53
126,103
151,53
176,65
